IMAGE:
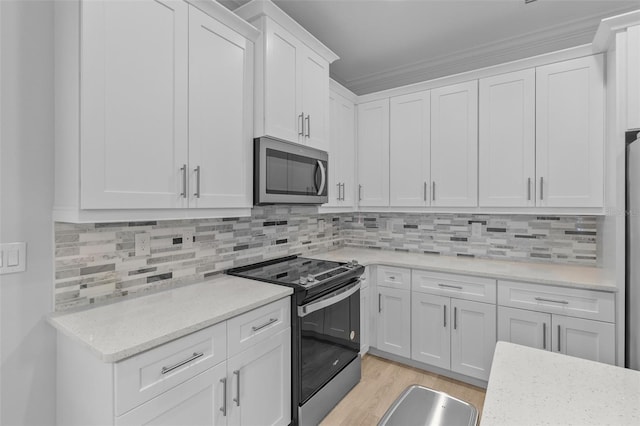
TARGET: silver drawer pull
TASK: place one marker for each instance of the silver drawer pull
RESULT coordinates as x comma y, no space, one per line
542,299
195,355
457,287
224,396
392,278
260,327
237,398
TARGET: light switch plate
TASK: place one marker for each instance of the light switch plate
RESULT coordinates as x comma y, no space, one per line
476,229
187,238
14,257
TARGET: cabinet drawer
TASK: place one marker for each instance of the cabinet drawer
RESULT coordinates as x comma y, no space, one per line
558,300
258,325
148,374
388,276
459,286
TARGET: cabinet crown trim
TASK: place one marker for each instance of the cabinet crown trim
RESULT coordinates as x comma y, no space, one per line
256,9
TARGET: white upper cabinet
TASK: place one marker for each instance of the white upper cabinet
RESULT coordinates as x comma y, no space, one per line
156,126
507,140
373,153
633,82
454,145
410,149
342,151
220,107
133,104
570,133
292,78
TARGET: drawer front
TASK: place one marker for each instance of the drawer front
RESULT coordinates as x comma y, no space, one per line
558,300
258,325
458,286
389,276
147,375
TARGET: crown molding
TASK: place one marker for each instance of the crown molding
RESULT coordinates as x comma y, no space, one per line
342,91
224,15
257,9
549,39
609,26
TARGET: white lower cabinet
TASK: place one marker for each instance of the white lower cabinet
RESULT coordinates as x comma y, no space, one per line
237,372
259,391
394,321
453,334
579,337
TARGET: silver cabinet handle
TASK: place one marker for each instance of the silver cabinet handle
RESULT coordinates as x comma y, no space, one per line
266,324
197,193
455,318
457,287
445,316
559,337
542,299
359,192
195,355
308,120
183,169
237,398
528,189
425,191
379,302
339,186
544,335
433,191
301,123
392,277
224,396
343,191
541,188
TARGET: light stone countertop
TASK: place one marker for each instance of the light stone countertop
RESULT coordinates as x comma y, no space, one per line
534,387
120,330
583,277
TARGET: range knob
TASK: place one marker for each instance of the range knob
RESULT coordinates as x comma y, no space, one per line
310,278
303,281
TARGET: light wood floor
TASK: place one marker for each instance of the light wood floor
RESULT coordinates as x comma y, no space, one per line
382,382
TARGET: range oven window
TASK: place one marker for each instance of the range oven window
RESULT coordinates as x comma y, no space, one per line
330,340
292,174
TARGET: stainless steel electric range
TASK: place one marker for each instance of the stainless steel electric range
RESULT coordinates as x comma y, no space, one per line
325,329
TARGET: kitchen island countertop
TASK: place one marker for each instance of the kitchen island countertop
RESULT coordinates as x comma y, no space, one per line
535,387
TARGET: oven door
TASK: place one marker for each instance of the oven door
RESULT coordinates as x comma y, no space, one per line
330,337
289,173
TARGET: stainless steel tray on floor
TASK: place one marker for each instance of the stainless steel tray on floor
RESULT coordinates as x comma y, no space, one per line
421,406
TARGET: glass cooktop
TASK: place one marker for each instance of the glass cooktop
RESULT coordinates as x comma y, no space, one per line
292,270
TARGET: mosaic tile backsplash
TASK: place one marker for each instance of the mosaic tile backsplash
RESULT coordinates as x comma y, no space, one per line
96,263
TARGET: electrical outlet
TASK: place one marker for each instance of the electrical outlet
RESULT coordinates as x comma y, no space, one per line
321,225
13,257
476,229
187,238
143,244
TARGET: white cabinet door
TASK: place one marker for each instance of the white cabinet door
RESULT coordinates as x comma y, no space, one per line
473,338
410,149
364,319
282,97
583,338
430,329
570,133
373,153
197,401
633,82
394,321
260,383
133,104
454,145
315,102
527,328
220,109
507,140
341,151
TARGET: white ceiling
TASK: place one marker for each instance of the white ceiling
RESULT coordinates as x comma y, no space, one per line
385,44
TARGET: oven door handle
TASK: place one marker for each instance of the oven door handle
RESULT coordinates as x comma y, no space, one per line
328,300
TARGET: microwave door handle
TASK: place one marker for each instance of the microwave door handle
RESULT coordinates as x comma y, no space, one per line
332,299
323,180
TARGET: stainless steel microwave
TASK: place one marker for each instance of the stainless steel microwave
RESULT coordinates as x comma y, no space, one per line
288,173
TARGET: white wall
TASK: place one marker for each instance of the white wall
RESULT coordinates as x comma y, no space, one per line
27,342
